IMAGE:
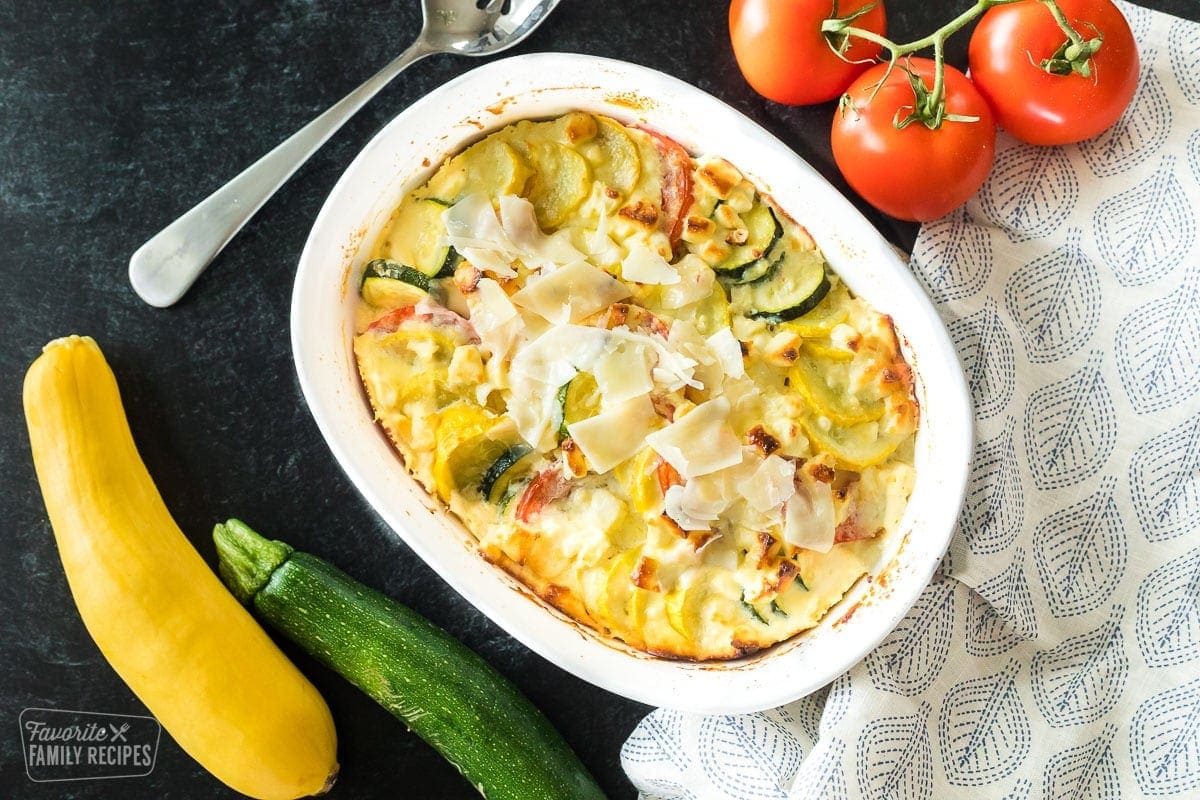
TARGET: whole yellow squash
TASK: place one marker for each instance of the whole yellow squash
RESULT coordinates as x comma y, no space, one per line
161,617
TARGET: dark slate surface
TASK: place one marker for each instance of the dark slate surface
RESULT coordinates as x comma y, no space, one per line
114,118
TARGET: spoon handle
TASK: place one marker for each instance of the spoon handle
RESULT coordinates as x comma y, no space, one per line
165,267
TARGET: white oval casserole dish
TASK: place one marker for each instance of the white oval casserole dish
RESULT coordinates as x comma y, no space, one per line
405,153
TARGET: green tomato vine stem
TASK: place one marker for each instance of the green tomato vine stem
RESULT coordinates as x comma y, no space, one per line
930,108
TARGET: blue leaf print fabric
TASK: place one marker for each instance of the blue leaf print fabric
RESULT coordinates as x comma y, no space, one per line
1055,301
1157,348
1082,679
1168,612
1087,770
994,508
898,750
1080,553
1055,654
984,729
1070,427
1165,742
1164,476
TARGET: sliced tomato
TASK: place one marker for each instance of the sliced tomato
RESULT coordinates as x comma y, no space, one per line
677,183
546,487
389,322
667,476
429,313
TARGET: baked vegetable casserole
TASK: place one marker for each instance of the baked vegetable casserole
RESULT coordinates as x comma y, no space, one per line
638,384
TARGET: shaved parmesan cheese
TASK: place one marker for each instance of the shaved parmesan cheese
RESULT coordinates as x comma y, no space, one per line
707,497
728,351
571,293
623,372
769,486
690,511
645,265
494,243
490,307
499,326
600,245
539,368
536,249
615,434
555,356
474,220
535,411
473,229
699,443
672,370
695,282
688,341
810,519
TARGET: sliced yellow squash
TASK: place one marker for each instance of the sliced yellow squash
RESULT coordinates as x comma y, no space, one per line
619,588
685,608
615,158
824,385
639,477
491,166
561,181
828,353
712,313
462,447
855,446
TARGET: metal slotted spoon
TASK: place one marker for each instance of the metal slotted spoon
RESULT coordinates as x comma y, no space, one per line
166,266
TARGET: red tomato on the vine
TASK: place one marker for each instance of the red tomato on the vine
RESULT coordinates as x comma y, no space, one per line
915,173
1008,47
783,54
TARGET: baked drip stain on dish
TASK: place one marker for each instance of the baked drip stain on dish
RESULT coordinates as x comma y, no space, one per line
636,381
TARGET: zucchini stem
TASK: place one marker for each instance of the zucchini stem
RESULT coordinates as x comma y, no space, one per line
247,560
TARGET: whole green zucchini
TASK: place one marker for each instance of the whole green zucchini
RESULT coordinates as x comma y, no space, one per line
439,688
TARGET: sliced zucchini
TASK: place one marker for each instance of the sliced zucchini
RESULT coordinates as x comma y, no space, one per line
828,314
390,284
706,205
794,286
416,237
579,399
754,612
514,462
561,181
755,270
763,230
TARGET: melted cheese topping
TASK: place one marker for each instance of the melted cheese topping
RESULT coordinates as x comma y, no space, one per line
690,476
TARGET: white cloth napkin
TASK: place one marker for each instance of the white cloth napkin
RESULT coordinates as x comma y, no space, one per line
1057,653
